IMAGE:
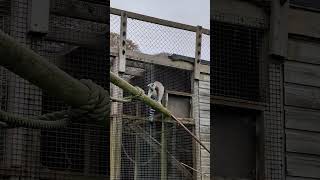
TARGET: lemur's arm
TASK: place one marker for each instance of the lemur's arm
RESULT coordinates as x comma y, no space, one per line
160,92
150,90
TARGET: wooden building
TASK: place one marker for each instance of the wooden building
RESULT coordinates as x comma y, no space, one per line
264,118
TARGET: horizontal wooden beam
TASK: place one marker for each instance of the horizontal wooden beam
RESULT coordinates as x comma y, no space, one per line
302,119
301,165
304,51
301,73
302,96
302,22
140,119
80,10
154,20
219,100
302,142
161,60
95,40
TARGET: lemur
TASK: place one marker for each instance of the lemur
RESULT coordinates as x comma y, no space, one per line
155,92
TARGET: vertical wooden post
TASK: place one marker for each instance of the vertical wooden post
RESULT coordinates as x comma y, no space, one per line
164,158
136,154
197,53
195,100
115,127
279,28
137,150
123,42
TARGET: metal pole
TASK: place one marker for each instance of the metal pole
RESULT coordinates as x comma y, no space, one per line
37,70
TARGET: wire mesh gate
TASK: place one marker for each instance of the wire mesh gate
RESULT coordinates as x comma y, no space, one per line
76,44
243,74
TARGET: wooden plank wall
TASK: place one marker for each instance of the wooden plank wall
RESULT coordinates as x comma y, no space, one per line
302,96
204,124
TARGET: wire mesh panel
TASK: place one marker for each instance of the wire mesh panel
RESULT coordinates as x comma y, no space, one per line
156,150
240,72
79,47
237,65
274,148
157,39
153,147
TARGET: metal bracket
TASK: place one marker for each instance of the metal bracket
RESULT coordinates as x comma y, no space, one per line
123,42
197,53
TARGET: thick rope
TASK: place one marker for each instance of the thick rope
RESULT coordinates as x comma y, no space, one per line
58,119
97,109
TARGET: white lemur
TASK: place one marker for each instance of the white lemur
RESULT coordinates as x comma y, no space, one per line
155,92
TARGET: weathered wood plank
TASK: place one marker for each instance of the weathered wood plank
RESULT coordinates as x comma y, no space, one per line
204,99
204,114
204,85
303,166
204,92
303,142
81,38
300,73
204,106
303,119
302,96
80,10
205,77
243,8
304,23
304,51
298,178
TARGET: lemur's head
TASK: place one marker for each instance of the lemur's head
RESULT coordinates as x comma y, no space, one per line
152,86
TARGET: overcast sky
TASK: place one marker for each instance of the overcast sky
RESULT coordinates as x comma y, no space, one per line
152,40
192,12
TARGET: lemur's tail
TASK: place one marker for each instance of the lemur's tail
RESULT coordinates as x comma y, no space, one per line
151,114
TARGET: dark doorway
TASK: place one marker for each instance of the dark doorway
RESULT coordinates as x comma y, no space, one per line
235,143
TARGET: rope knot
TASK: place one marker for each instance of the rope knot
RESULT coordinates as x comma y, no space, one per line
98,106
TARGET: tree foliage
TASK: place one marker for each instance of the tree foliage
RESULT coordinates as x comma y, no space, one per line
115,39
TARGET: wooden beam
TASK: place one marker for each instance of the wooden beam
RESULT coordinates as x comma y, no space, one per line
157,21
279,29
237,103
123,42
80,10
196,70
163,61
303,22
